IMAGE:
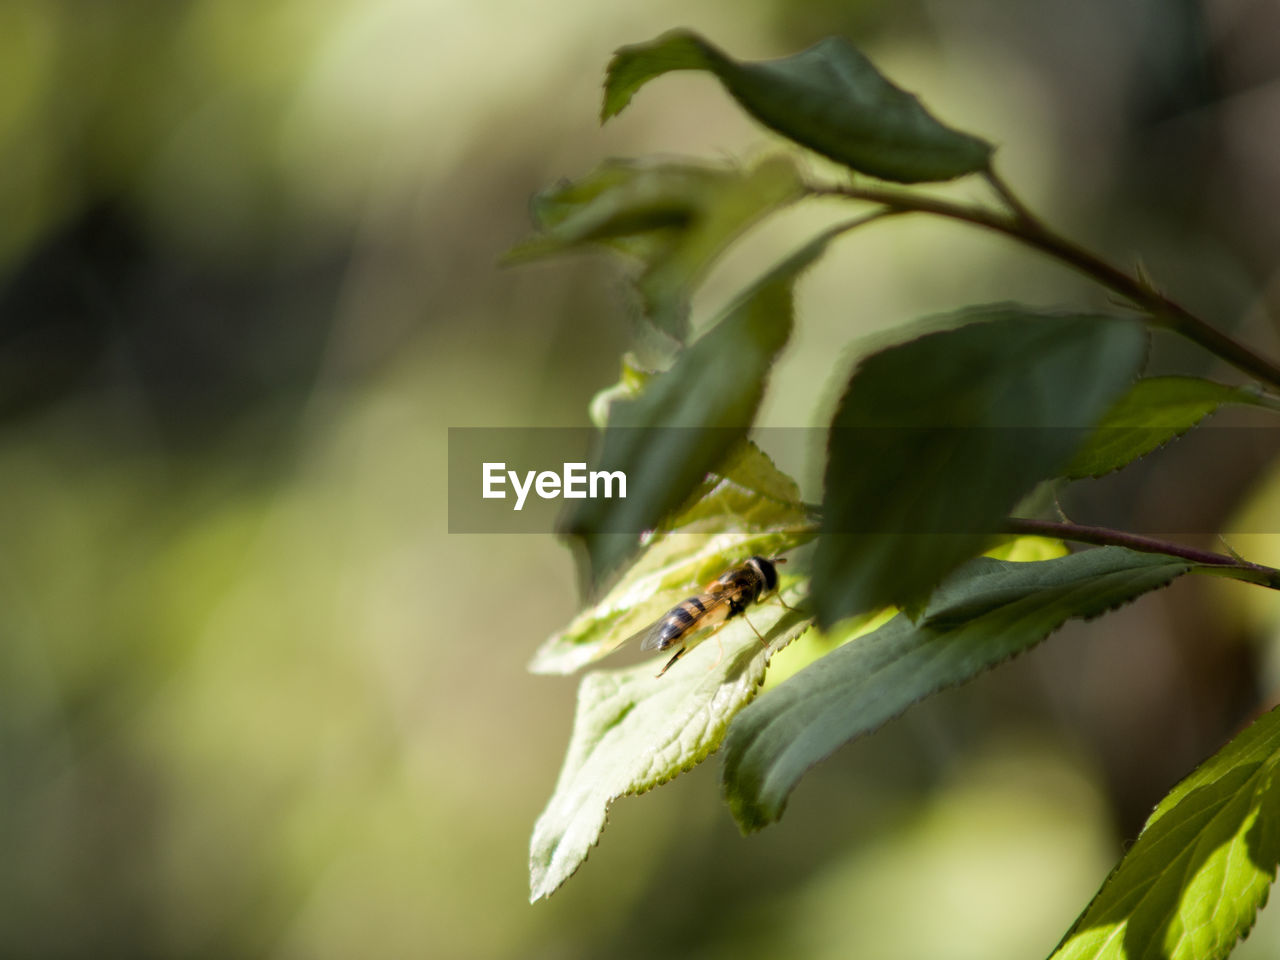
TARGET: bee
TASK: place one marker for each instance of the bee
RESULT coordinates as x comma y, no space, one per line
724,598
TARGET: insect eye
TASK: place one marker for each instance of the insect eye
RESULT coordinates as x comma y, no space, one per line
768,572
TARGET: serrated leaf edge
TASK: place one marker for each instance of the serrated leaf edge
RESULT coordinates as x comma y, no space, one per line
759,824
701,757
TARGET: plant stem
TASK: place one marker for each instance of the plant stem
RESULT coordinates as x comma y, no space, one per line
1021,225
1106,537
1011,199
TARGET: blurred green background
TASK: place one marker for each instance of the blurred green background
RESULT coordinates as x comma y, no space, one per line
255,700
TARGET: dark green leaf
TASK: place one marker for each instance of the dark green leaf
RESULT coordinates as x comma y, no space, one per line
688,418
1192,884
936,440
829,98
986,612
1152,413
675,218
816,644
633,731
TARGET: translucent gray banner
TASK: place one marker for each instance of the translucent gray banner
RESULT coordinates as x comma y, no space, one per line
520,480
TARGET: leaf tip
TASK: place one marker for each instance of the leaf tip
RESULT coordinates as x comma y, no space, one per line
750,818
634,65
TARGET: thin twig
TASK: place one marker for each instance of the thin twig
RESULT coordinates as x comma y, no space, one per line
1011,199
1025,228
1106,537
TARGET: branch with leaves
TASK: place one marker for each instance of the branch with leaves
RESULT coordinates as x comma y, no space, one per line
920,572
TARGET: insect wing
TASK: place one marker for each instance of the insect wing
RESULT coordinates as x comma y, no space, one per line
649,636
685,619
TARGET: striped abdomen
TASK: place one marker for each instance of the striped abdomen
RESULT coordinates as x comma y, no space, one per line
687,616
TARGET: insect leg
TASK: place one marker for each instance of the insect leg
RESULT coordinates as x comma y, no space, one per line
679,654
719,645
784,603
755,631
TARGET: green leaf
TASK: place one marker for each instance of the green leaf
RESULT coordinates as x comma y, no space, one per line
829,98
987,611
816,644
749,507
1192,884
631,383
634,731
675,218
1152,413
1028,549
936,440
687,419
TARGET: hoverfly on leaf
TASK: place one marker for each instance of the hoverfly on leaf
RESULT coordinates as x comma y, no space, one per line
724,598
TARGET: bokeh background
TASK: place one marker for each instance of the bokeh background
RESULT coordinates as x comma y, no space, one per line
255,700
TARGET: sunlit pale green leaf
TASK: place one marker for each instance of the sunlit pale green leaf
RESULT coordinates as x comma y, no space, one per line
747,489
1152,413
816,644
1192,884
681,427
1028,549
986,612
674,217
633,731
748,507
829,98
936,440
